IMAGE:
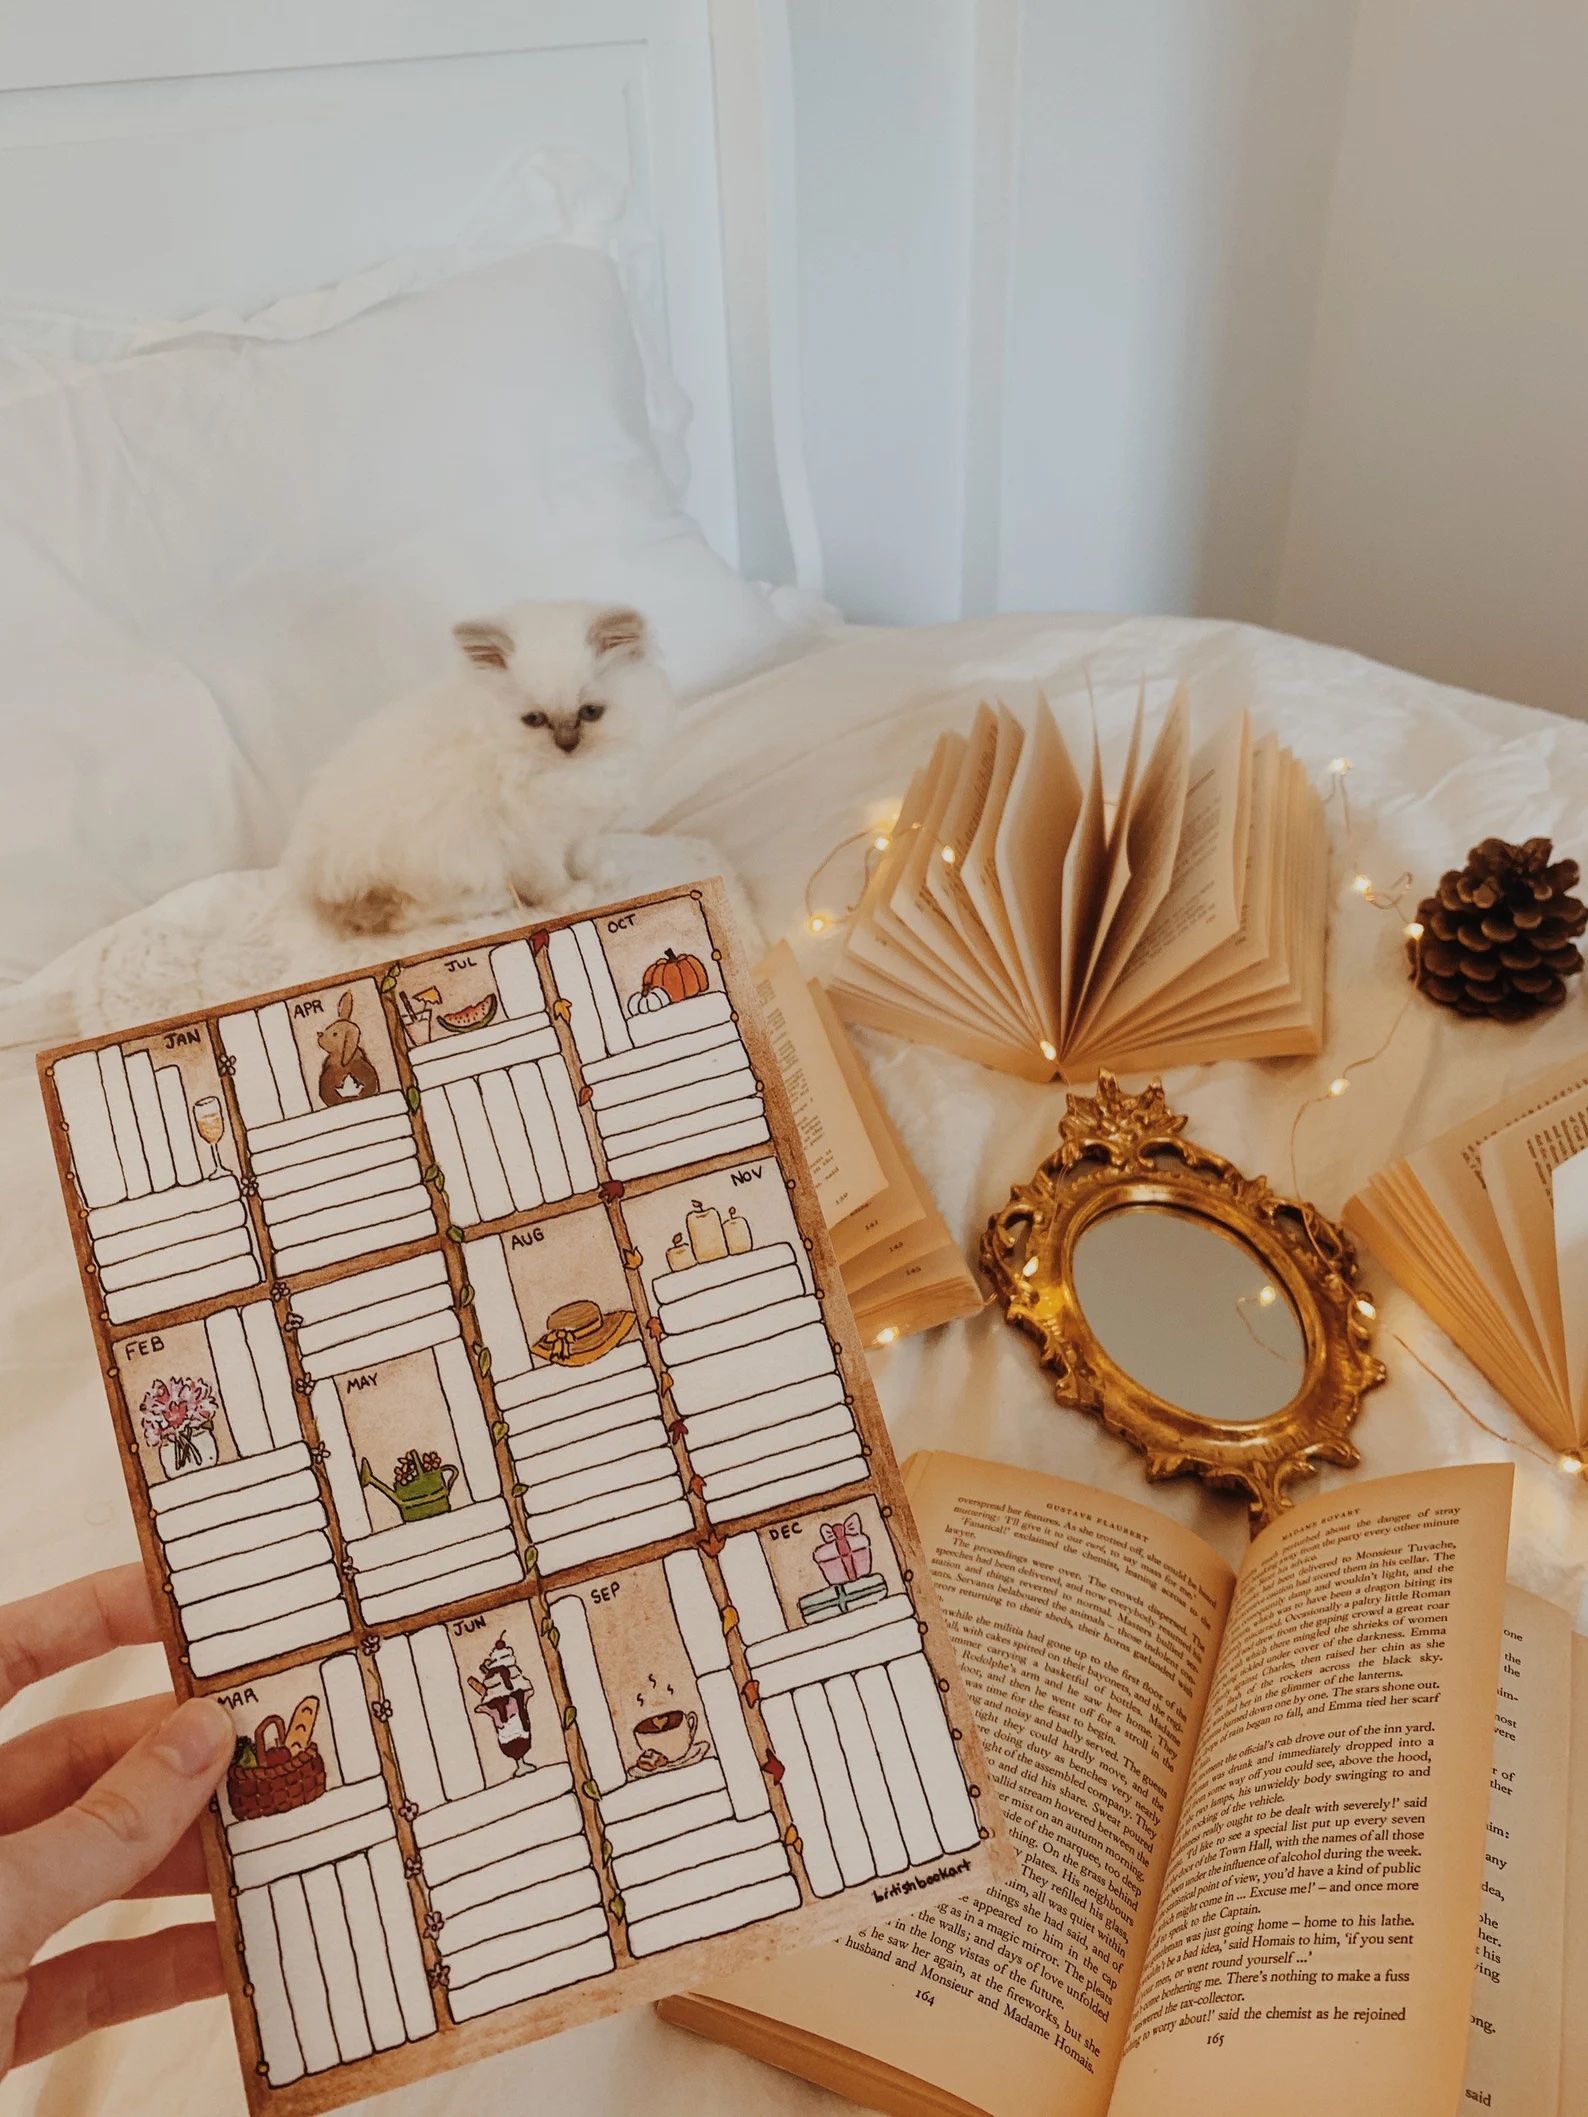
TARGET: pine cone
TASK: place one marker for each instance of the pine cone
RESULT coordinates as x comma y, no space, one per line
1497,938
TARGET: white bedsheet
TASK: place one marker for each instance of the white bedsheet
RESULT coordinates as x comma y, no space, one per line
773,773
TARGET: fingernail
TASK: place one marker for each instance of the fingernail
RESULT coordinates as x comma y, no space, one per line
196,1737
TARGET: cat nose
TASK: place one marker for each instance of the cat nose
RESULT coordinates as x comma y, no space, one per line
568,738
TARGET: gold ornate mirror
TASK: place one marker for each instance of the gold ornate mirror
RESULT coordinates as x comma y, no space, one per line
1212,1323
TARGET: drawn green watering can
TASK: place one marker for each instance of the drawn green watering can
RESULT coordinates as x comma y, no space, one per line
421,1485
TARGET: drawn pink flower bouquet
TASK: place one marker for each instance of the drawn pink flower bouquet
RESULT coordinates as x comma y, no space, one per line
178,1418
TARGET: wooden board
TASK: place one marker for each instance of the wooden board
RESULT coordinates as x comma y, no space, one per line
499,1437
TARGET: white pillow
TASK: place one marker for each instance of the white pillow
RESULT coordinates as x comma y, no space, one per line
221,549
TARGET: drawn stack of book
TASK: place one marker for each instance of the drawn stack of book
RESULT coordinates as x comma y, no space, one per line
510,1334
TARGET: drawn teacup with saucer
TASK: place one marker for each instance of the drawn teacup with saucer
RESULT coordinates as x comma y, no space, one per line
668,1738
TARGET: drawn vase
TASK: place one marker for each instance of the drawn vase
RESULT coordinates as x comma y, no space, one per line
680,1256
736,1233
196,1449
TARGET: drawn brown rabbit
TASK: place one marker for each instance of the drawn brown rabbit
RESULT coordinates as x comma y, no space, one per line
348,1071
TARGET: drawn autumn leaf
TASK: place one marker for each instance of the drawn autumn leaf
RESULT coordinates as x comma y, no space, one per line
730,1617
518,1488
433,1175
752,1692
454,1234
590,1790
633,1259
465,1295
411,1096
389,982
615,1906
561,1009
586,1092
498,1426
569,1715
482,1357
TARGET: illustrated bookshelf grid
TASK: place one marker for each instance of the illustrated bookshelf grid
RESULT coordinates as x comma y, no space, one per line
339,1274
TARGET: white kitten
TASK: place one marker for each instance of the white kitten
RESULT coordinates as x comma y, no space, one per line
494,782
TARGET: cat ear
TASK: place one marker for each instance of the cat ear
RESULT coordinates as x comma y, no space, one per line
620,633
485,644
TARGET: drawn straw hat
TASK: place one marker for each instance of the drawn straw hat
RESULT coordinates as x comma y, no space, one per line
578,1333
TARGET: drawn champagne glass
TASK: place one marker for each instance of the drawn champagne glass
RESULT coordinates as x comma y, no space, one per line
209,1122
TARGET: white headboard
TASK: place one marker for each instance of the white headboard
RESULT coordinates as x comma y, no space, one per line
159,158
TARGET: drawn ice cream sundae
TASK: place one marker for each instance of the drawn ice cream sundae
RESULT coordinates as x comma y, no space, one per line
504,1697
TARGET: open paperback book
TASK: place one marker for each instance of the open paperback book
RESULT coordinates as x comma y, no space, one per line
1487,1228
1310,1840
902,1269
503,1452
1025,916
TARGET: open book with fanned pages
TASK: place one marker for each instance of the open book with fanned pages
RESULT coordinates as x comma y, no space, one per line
1487,1227
1029,915
1299,1839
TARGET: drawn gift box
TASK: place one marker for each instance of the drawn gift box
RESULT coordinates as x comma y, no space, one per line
843,1551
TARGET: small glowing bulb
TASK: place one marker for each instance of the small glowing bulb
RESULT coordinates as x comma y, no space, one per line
816,924
1268,1297
1049,1051
887,1335
1029,1269
1572,1465
1365,1308
881,842
949,856
1414,929
1363,885
1339,1084
1339,766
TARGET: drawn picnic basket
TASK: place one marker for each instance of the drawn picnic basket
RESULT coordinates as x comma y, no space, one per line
284,1773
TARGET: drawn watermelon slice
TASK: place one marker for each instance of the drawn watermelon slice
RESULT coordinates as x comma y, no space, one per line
473,1017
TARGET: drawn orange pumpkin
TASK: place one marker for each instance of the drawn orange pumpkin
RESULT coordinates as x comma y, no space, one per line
680,977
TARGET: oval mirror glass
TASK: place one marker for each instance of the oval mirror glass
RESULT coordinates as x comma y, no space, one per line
1189,1312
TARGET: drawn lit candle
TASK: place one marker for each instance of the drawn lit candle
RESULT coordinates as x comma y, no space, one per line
680,1257
703,1225
736,1233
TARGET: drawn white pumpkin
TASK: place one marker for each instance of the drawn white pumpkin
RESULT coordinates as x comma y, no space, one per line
648,1000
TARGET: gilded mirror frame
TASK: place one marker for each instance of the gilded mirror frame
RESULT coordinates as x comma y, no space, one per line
1117,1150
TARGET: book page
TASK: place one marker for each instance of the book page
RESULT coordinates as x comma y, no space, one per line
1516,1165
971,818
1150,820
1201,908
1088,1629
1313,1944
977,871
843,1164
1513,2055
1574,1969
1031,857
1570,1199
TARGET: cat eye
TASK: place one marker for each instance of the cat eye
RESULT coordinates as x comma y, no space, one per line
591,712
534,720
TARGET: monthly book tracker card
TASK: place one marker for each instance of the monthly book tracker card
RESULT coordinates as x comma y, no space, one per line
503,1451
